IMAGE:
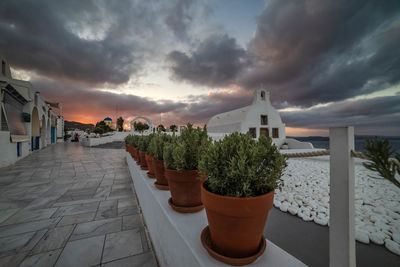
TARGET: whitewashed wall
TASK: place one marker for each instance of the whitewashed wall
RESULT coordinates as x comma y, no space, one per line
117,136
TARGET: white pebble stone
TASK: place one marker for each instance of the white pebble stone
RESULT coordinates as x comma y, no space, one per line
307,218
392,246
283,207
377,238
320,221
293,210
362,236
396,237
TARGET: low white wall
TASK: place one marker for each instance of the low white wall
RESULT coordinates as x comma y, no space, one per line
8,150
176,236
117,136
296,144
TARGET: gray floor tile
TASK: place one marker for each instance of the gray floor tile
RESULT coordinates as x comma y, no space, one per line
141,260
102,191
99,227
45,259
29,215
12,260
77,218
122,244
76,202
83,252
131,222
20,228
76,209
128,210
107,209
5,214
19,243
74,179
53,239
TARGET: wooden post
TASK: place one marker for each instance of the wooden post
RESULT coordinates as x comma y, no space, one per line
341,230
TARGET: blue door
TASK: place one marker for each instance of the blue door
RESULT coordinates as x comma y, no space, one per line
53,135
37,143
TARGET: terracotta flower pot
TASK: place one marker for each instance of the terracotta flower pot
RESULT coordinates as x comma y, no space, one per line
137,155
161,183
149,160
131,151
185,190
126,147
236,224
143,162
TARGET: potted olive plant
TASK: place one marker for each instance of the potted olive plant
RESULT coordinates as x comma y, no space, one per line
242,174
157,145
149,157
143,143
181,169
127,138
134,147
131,141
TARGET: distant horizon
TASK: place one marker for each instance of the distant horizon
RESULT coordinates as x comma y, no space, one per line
288,136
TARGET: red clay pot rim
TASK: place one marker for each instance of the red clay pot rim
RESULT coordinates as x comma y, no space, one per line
183,209
228,197
151,175
183,176
206,242
161,186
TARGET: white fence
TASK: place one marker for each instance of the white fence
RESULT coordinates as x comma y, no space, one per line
117,136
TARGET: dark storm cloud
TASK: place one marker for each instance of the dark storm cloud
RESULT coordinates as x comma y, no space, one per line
89,41
78,100
312,52
371,113
305,51
35,36
201,108
180,17
215,62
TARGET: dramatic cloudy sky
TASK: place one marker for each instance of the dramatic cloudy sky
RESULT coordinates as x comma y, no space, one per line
326,63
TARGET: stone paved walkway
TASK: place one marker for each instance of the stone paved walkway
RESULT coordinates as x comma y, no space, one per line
68,205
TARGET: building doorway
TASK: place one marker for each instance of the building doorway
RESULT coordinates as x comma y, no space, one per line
264,132
35,133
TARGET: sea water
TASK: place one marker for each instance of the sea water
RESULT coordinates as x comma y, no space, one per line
359,142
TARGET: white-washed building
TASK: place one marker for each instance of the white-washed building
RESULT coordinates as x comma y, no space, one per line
259,118
27,122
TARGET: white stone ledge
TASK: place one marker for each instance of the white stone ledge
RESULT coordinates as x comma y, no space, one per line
176,236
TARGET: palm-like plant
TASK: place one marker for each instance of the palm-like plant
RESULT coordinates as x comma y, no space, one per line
379,153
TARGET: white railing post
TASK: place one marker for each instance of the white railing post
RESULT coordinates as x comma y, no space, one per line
341,230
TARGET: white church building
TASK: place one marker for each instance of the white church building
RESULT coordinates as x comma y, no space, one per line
259,118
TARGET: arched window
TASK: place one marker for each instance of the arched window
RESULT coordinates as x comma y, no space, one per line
262,95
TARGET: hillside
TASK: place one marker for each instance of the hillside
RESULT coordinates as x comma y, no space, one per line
72,125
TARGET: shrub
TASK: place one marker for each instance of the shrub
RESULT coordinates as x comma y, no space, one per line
157,145
184,151
127,139
133,140
379,151
240,166
144,141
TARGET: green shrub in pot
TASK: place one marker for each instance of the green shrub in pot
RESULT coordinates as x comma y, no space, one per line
181,157
143,142
183,152
242,174
240,166
157,143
